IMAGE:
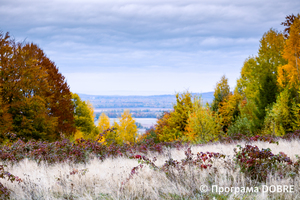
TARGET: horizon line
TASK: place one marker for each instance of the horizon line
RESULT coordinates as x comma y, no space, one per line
127,95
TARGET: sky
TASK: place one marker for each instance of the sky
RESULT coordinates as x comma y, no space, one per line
143,47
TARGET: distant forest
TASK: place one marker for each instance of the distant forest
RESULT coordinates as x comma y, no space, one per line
154,101
139,106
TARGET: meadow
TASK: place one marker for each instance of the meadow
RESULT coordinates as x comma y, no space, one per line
87,170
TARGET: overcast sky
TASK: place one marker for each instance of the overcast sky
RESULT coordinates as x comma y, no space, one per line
145,47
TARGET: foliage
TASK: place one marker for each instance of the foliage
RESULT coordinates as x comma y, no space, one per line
84,117
103,124
126,129
241,137
229,110
266,96
162,126
5,120
179,117
279,118
150,134
258,81
255,69
242,125
203,125
79,151
78,135
249,78
34,93
110,136
222,90
172,125
270,54
296,115
259,164
245,121
171,167
289,19
289,74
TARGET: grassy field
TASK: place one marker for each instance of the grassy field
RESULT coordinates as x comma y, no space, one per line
137,178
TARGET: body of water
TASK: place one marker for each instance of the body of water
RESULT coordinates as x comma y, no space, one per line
146,122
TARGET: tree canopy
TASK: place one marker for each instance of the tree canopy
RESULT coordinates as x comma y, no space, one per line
33,92
84,117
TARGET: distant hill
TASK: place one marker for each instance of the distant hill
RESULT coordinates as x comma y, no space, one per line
153,101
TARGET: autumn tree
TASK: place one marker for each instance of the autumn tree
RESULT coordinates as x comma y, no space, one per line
203,125
103,125
289,19
84,117
103,122
180,115
289,74
162,126
255,69
222,90
34,92
126,128
176,121
229,110
258,79
5,117
5,120
279,119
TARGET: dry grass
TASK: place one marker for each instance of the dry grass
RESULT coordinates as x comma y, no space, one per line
103,180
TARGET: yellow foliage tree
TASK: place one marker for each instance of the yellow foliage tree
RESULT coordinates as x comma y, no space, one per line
289,74
103,124
202,125
126,129
279,119
256,68
172,125
258,79
229,109
84,117
91,109
78,135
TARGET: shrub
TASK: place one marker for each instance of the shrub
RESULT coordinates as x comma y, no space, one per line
258,164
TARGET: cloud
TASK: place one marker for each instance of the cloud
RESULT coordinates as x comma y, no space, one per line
179,36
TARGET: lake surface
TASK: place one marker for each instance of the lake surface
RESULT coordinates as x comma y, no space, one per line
146,122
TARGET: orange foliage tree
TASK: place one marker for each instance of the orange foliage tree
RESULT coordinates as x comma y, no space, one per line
229,109
5,120
35,94
289,74
162,126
